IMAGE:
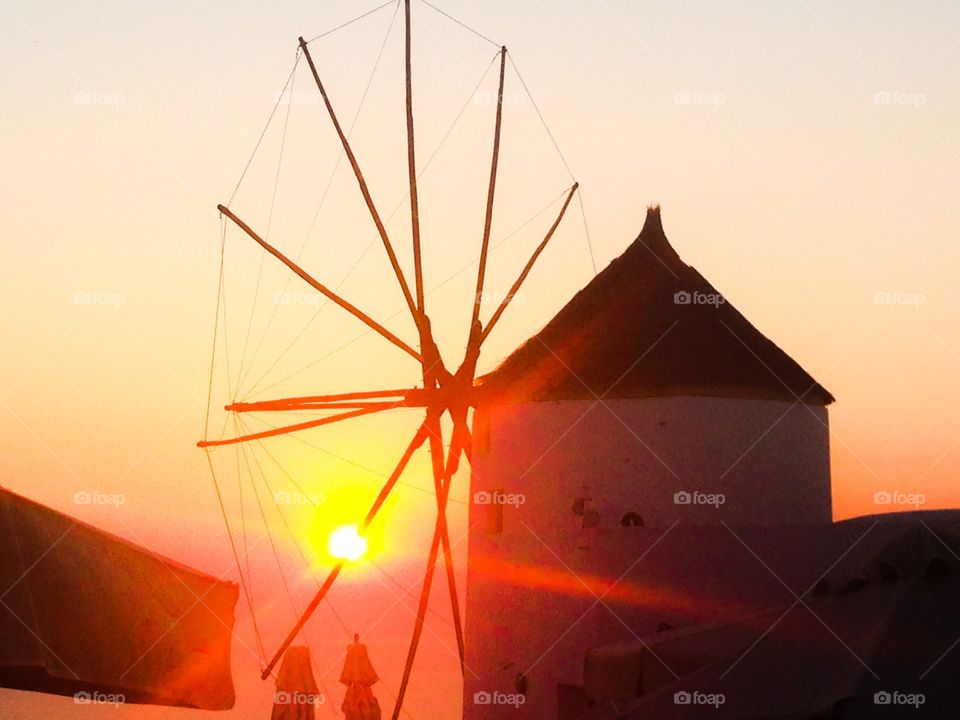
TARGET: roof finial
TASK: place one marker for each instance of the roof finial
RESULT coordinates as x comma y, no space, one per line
653,222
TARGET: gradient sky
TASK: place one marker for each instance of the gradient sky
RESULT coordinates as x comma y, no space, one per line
805,155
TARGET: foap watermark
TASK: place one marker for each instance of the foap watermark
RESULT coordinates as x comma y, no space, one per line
293,298
483,97
885,97
99,698
685,697
684,297
482,697
899,499
85,497
495,297
696,497
894,697
482,497
89,98
896,297
282,697
297,498
708,99
107,299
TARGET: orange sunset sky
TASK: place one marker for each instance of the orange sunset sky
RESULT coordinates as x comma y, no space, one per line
805,154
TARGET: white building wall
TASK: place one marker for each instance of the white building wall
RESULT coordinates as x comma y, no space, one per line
769,459
566,474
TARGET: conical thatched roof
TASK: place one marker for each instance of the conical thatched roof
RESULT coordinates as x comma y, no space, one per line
630,333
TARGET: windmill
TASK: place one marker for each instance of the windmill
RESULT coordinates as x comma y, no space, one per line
446,391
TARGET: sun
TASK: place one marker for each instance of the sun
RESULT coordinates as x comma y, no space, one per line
347,544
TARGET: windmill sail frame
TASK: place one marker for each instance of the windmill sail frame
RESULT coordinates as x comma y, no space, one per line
443,392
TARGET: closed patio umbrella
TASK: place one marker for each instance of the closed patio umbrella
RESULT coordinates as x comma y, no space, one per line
297,693
358,675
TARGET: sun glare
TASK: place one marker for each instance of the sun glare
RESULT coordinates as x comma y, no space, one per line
347,544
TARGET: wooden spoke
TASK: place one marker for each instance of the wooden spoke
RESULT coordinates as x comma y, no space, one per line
445,544
302,407
320,287
397,398
365,191
434,374
417,441
412,171
491,190
287,429
528,266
